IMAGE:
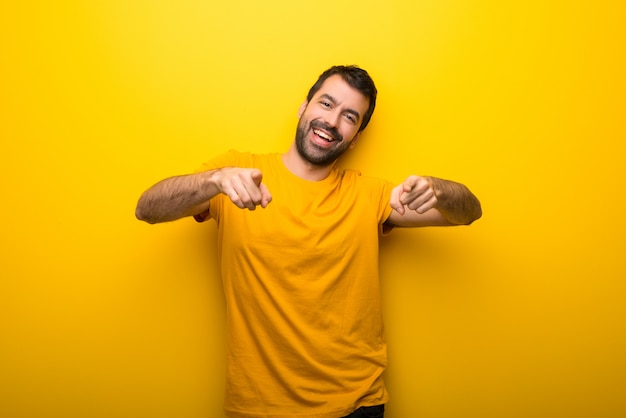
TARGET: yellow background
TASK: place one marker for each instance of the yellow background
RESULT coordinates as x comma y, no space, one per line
520,315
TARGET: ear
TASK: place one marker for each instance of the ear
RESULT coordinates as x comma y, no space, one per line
302,108
353,143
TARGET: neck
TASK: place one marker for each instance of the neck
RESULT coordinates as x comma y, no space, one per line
302,168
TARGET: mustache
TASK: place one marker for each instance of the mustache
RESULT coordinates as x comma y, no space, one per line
316,124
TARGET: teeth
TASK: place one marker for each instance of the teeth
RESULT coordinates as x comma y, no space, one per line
323,135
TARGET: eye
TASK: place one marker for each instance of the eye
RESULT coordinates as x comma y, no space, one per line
350,117
325,103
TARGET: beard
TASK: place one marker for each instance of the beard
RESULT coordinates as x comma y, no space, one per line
316,155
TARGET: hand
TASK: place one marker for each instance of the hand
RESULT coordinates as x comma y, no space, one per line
243,187
415,193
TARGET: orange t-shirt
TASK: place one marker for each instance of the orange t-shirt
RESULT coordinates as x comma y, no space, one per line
301,281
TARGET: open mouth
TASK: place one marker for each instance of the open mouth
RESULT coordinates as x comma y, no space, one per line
324,135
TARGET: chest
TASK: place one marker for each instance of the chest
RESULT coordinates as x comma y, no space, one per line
325,219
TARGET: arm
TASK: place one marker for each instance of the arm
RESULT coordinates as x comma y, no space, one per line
188,195
430,201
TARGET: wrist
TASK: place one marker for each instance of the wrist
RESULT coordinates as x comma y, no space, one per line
210,181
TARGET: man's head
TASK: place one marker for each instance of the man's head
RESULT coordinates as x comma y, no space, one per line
358,79
338,107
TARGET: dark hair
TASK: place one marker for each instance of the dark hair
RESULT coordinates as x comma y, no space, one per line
358,79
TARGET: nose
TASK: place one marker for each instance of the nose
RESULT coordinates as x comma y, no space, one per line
332,118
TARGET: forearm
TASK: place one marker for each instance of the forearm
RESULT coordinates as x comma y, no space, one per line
455,201
176,197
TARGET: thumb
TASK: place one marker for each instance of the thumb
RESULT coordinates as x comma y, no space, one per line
395,199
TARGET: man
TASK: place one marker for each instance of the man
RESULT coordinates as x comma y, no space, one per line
300,265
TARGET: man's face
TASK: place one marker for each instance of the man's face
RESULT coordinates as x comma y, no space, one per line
329,123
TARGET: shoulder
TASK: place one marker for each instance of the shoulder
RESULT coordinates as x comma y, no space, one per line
234,158
375,188
371,192
364,181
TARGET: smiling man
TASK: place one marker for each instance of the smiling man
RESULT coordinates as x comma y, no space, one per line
298,241
330,121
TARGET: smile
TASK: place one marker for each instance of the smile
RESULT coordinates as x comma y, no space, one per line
323,135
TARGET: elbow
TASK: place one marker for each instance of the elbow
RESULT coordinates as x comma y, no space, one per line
476,215
140,214
468,216
145,210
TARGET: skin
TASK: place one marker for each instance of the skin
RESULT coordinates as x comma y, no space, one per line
328,127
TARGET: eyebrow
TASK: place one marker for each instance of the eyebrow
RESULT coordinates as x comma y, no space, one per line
334,101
